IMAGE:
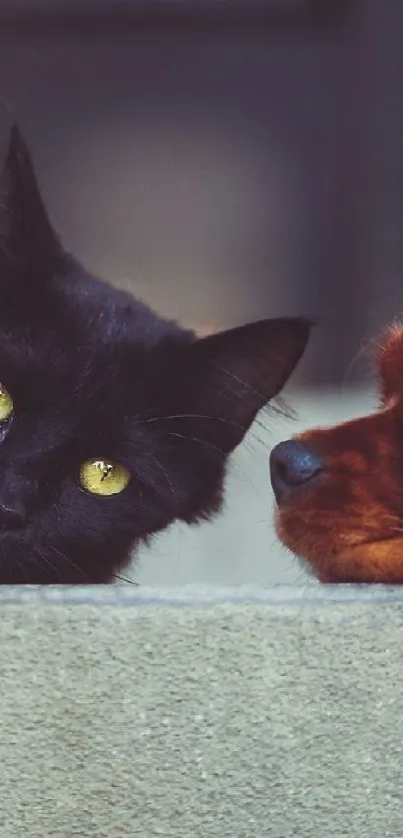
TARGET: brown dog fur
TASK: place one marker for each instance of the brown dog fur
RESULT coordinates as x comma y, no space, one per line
348,521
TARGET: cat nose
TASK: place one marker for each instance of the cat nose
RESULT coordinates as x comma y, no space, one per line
292,465
12,514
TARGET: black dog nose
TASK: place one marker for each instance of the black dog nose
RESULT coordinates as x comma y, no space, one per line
292,465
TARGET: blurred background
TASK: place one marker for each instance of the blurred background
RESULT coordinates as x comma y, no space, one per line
227,160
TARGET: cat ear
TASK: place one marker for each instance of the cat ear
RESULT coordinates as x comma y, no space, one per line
28,244
237,372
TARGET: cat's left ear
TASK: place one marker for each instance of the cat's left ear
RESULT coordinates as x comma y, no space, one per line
28,244
234,374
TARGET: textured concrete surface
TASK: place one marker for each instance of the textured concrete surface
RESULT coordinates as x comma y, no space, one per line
239,714
240,546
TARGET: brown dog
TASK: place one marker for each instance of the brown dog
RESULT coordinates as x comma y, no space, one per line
340,490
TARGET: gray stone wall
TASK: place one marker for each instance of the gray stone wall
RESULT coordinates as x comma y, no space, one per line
240,713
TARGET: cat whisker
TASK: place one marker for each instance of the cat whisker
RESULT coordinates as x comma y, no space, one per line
258,423
204,442
204,416
45,560
167,478
280,406
124,579
24,570
68,560
221,452
190,416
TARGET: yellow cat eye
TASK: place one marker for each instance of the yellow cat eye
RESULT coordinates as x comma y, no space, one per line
6,404
102,477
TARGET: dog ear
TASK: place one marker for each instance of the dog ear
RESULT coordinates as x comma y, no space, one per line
237,372
28,243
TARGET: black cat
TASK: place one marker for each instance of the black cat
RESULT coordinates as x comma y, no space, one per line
113,421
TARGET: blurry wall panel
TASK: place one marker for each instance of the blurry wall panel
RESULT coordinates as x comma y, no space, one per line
210,168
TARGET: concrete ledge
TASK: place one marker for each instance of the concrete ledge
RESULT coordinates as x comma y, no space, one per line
238,713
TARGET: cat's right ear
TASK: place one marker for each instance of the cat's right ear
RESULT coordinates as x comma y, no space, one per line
28,244
236,373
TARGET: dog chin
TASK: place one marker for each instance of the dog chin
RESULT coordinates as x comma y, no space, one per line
370,561
379,561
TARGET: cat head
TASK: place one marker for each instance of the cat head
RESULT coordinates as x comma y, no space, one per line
114,422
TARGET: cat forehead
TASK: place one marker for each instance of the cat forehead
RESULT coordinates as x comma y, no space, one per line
111,313
101,346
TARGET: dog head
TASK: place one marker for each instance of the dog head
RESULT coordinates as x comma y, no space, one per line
339,490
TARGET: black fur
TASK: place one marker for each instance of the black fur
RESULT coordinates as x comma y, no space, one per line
95,373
